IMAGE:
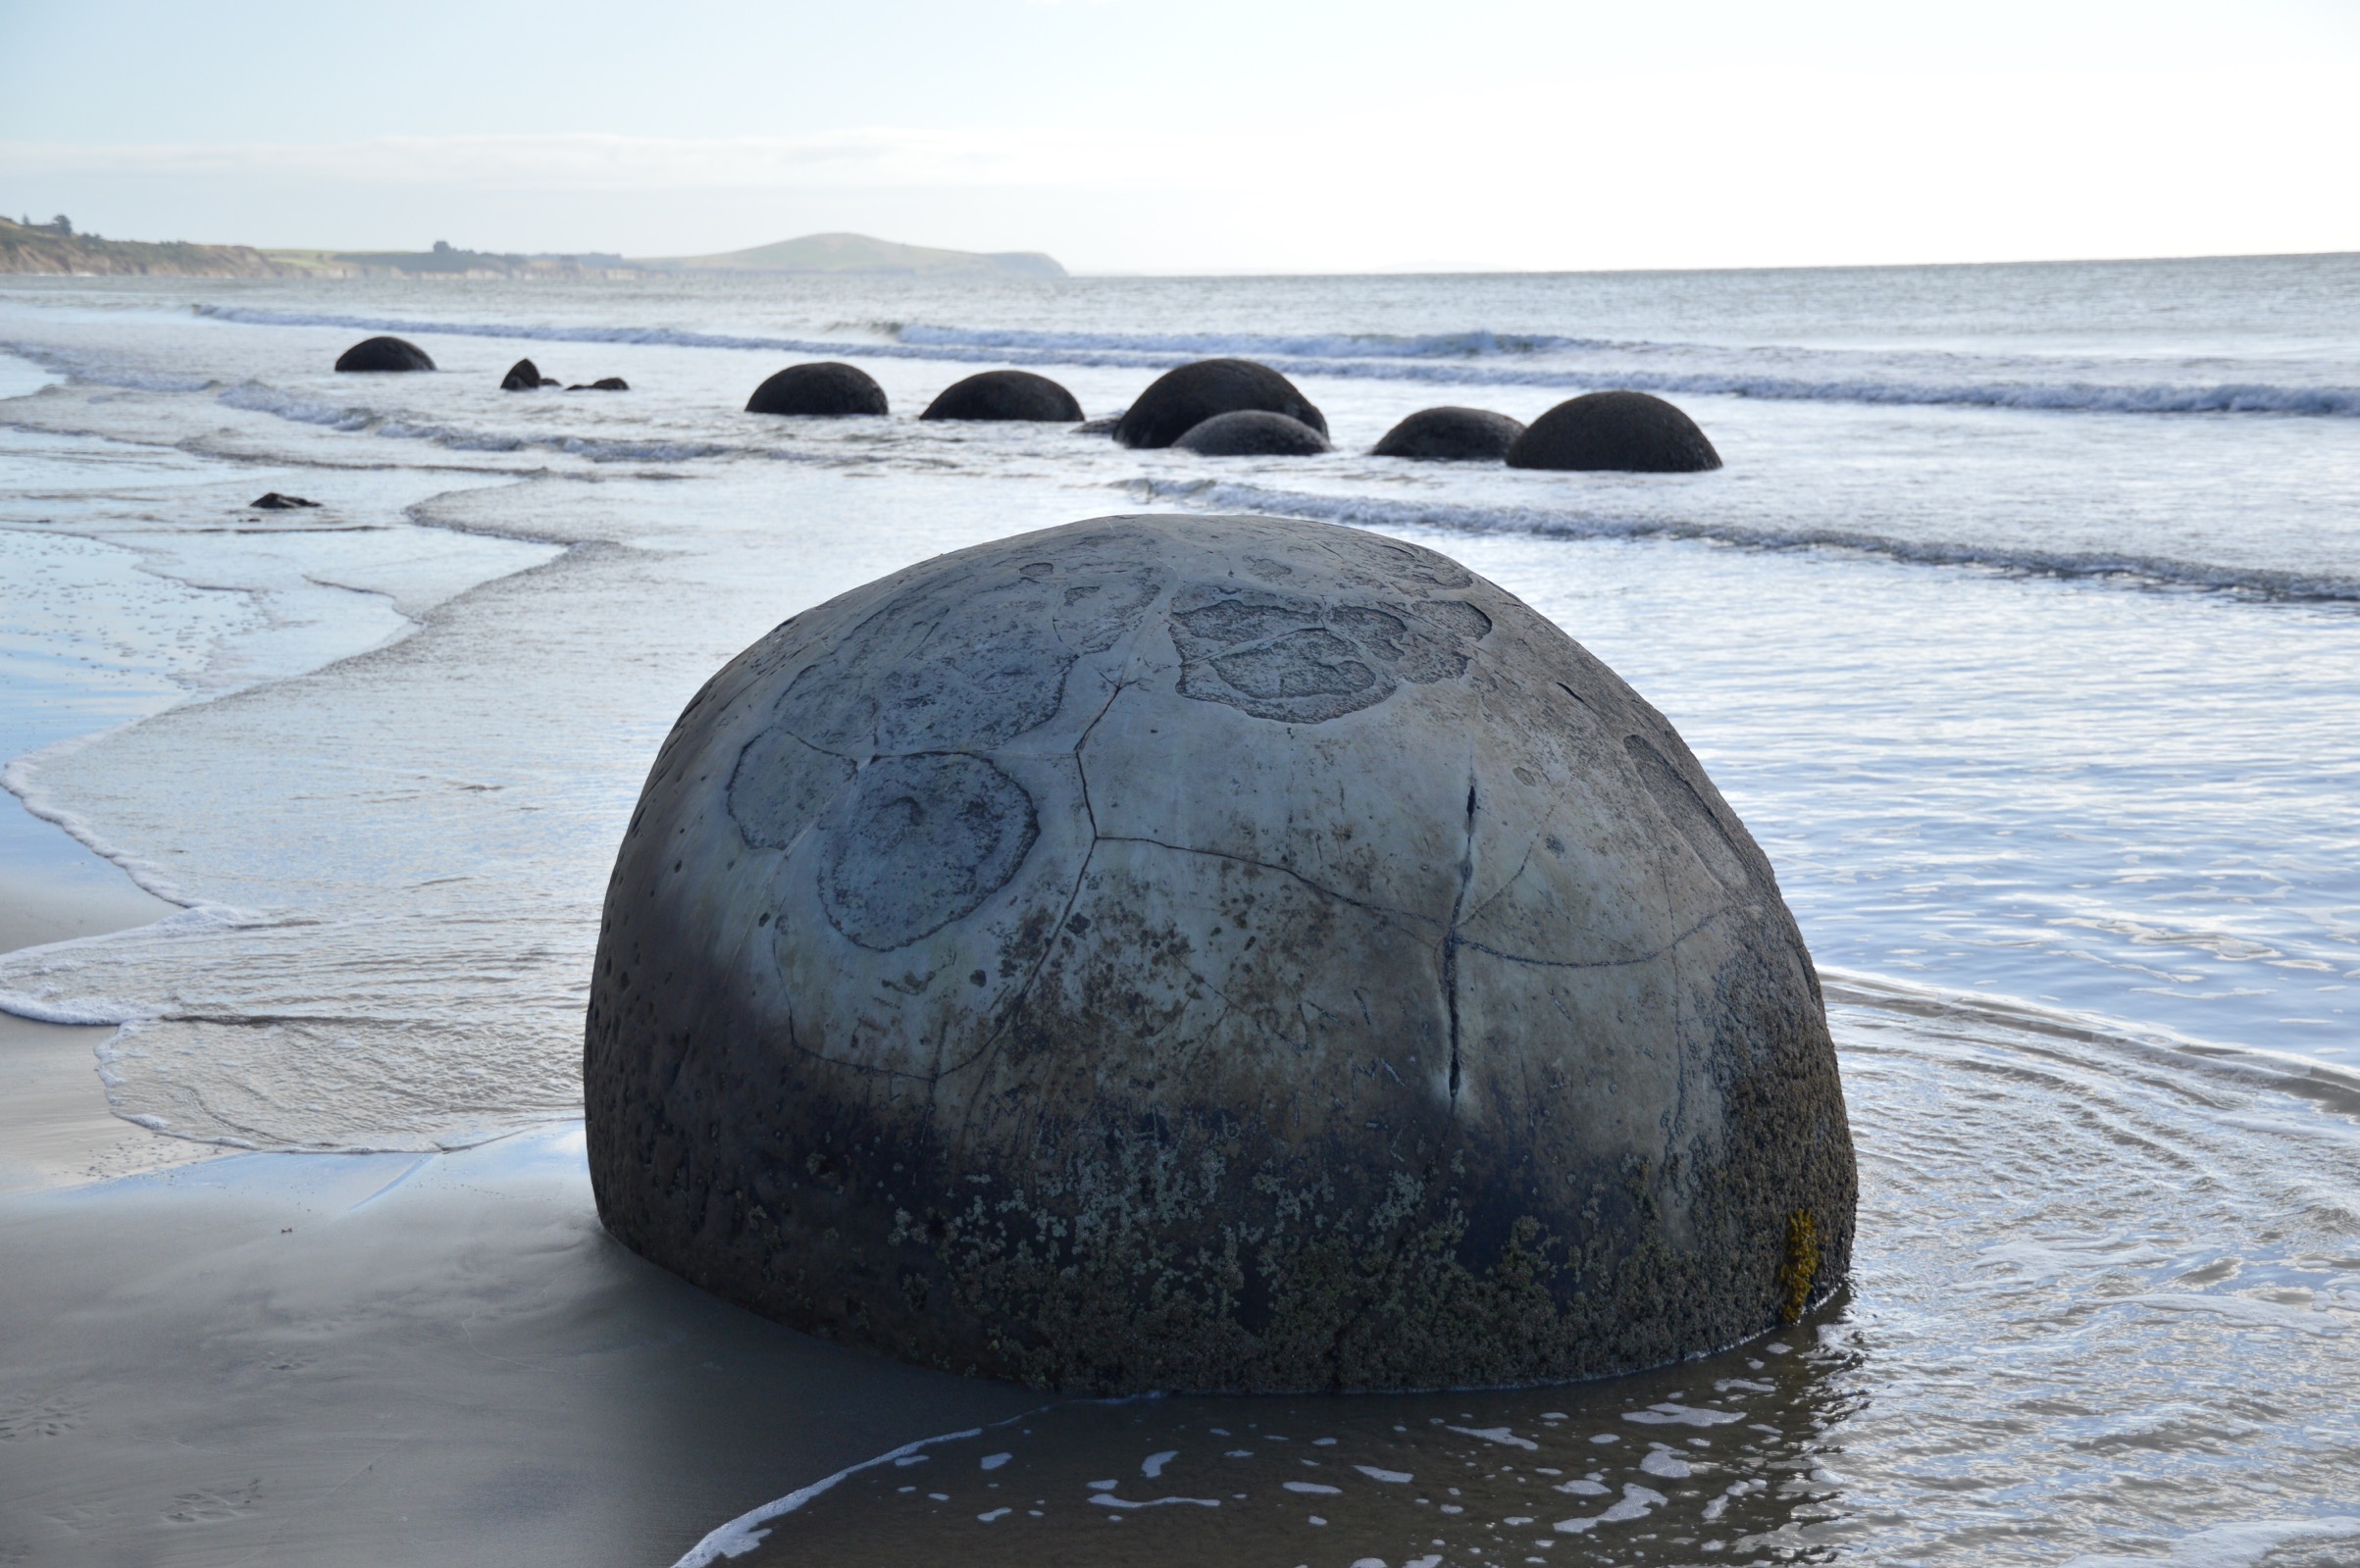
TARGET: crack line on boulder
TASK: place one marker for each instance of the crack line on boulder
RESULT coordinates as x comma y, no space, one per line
1015,1003
1271,865
1451,938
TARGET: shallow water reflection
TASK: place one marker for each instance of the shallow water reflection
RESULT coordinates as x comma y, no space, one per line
1723,1457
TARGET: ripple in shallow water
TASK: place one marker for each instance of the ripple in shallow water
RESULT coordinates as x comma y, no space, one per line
2107,1299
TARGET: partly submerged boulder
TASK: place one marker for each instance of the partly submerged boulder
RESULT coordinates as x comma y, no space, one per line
383,354
824,387
1209,952
1252,432
273,501
1183,398
1005,396
604,384
523,377
1451,436
1631,431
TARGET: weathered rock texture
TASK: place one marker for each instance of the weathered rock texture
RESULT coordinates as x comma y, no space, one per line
1631,431
383,354
1005,396
1451,436
1185,397
823,388
1252,433
1209,953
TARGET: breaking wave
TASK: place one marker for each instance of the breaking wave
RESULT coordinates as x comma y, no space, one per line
1215,495
261,399
1457,359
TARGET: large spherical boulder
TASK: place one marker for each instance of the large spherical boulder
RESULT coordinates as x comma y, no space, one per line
383,354
1252,432
1209,952
1631,431
1451,436
825,387
1005,396
1183,398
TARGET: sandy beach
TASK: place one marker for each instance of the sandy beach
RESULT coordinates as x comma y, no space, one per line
380,1358
2051,756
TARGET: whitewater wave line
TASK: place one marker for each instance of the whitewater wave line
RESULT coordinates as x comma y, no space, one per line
1118,352
1216,496
1369,511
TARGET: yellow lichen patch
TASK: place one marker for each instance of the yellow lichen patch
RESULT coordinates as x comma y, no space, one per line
1802,1263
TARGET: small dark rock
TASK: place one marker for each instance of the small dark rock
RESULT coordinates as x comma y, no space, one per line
1185,397
1451,436
1099,426
275,502
826,388
525,377
383,354
1630,432
609,384
1005,395
1252,432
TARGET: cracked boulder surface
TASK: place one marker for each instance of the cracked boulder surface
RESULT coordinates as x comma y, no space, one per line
1209,953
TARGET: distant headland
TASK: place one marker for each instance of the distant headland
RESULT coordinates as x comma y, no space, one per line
55,248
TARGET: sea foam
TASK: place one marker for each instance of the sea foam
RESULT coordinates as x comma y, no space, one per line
1475,357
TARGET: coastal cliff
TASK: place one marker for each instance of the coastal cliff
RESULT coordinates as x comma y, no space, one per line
54,248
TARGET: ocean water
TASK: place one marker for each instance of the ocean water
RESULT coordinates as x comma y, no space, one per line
2022,626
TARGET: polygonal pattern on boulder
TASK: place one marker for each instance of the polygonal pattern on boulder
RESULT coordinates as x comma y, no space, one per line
1209,952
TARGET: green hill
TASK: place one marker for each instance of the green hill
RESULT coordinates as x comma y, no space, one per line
858,253
56,249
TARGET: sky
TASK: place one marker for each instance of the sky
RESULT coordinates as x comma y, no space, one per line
1224,136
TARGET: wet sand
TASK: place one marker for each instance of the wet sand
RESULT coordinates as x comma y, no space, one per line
376,1359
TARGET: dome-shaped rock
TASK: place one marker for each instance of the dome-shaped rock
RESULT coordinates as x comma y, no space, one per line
1252,432
1186,396
1451,436
383,354
1005,396
523,377
823,388
1631,431
1209,952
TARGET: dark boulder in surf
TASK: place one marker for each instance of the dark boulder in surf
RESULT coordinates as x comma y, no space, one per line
383,354
1209,953
1185,397
523,377
1005,396
824,389
1451,436
273,501
608,384
1630,432
1252,432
